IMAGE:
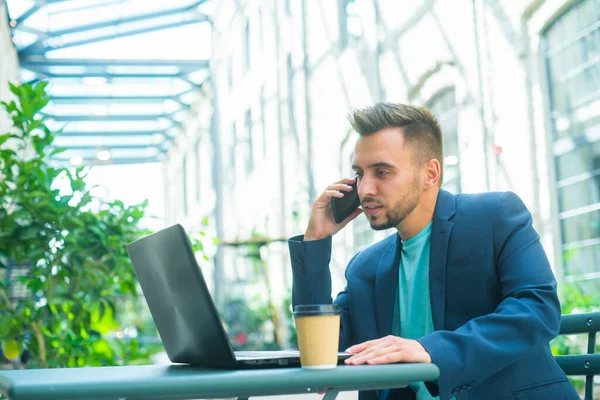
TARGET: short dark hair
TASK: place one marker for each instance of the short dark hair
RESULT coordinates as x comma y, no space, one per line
419,125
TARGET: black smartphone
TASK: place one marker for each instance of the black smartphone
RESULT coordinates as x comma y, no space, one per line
344,206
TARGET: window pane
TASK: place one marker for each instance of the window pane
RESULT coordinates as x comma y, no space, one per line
581,227
572,48
583,159
578,261
580,194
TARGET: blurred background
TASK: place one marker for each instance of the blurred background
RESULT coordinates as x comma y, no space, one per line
229,117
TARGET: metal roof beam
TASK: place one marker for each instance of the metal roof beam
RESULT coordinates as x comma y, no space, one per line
118,35
115,99
32,10
127,20
111,75
105,118
106,146
53,1
512,34
112,99
40,63
40,46
29,29
110,134
192,83
86,7
394,35
112,161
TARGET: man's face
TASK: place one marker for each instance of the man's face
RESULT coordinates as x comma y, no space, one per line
389,183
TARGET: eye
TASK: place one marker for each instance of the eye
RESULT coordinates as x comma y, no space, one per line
358,175
382,173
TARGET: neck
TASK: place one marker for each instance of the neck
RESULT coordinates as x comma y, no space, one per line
420,217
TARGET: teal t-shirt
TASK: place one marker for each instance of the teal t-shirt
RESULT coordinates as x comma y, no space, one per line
412,311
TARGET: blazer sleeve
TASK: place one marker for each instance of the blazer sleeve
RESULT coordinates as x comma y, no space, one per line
525,321
312,280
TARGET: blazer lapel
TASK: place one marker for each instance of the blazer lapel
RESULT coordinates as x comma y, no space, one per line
386,283
440,235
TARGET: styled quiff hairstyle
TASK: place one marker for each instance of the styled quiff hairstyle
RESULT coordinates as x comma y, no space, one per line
420,128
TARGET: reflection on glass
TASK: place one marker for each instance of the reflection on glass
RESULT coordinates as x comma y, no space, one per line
572,54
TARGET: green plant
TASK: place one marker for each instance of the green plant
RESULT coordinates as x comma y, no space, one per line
260,268
575,297
248,324
80,276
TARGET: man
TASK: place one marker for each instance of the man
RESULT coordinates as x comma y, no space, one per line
464,284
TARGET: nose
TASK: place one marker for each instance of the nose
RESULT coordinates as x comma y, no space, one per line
366,187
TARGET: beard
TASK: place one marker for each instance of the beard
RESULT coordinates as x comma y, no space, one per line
400,210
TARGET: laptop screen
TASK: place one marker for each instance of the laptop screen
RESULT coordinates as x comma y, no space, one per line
179,300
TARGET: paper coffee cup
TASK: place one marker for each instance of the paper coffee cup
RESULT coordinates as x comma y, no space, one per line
318,331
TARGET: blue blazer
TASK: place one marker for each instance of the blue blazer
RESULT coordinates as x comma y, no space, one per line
493,299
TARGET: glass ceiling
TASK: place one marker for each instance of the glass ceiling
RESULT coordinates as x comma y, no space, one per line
122,73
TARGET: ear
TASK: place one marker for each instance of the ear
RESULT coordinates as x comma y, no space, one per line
432,173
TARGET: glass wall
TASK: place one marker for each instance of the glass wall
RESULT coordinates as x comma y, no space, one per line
571,48
443,105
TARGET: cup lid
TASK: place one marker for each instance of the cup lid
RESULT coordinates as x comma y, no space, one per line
309,309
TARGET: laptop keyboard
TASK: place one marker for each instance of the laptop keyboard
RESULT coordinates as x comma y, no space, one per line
253,355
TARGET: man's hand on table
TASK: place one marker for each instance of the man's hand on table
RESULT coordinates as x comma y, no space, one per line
388,350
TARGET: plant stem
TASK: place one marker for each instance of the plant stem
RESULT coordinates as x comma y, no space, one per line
37,331
5,298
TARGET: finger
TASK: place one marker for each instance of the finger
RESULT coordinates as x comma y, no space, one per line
340,186
347,180
376,350
375,345
364,348
357,348
388,358
332,193
371,354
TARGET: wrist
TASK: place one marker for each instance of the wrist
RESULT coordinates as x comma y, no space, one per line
308,237
312,234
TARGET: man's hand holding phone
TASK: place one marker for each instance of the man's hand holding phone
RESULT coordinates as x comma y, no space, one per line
322,221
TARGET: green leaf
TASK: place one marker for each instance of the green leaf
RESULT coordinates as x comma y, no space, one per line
26,105
76,222
40,88
29,232
103,324
101,346
6,137
35,125
7,153
78,252
85,199
13,88
5,323
58,150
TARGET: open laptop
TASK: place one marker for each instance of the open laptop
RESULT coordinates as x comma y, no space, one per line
183,310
